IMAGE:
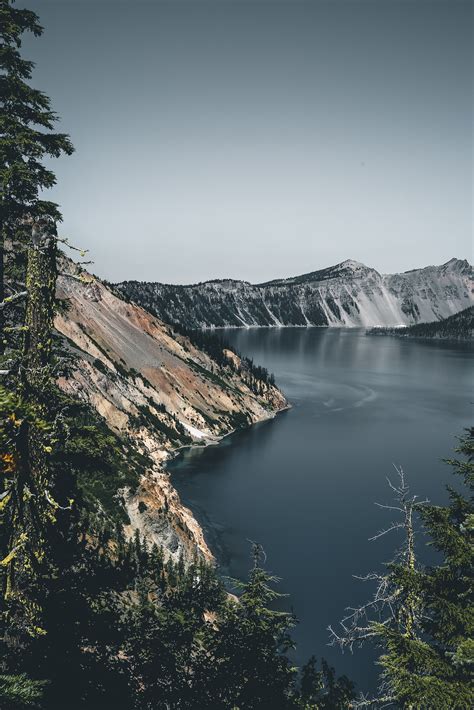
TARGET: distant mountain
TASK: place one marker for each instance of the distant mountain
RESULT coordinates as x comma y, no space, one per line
349,294
460,326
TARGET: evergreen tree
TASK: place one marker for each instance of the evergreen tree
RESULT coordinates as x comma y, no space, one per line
26,133
423,617
321,690
20,692
245,662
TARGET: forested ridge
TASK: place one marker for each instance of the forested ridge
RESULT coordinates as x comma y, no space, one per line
92,619
459,326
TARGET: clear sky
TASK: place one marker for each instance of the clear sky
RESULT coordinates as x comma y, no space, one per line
262,138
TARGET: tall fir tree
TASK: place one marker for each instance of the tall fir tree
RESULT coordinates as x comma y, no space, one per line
26,137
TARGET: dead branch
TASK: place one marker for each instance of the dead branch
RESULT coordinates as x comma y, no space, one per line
11,299
81,278
389,607
65,241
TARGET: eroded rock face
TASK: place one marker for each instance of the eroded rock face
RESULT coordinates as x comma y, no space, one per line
348,294
157,389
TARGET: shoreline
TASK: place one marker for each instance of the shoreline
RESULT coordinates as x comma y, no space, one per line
189,447
155,508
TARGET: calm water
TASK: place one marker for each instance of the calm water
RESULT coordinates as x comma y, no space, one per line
305,483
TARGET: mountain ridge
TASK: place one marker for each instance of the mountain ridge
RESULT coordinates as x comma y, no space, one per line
348,294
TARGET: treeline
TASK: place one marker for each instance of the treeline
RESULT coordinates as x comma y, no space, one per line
459,326
258,378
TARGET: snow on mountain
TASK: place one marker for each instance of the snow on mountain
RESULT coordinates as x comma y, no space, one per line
349,294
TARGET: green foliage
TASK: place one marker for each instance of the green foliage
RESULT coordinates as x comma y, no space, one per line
251,668
101,463
425,621
168,425
26,123
459,326
215,346
17,692
322,690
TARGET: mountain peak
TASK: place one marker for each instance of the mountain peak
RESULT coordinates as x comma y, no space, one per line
457,264
351,264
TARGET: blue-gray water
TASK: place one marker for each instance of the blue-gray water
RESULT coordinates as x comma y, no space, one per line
305,483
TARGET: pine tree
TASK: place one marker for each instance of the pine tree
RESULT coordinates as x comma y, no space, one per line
20,692
26,136
245,663
321,690
423,617
434,670
27,225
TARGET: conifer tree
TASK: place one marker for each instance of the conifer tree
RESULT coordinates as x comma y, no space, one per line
423,617
27,226
26,136
245,663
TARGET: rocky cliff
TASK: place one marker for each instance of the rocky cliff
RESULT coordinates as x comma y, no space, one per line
155,388
349,294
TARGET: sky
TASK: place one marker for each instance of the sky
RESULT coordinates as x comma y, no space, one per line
258,139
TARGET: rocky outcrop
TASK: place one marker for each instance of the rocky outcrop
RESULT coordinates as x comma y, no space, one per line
349,294
157,390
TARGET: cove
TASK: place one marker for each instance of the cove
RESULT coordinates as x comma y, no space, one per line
304,484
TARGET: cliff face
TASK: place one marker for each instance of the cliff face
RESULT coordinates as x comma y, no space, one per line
159,391
349,294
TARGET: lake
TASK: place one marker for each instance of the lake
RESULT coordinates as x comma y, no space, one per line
304,484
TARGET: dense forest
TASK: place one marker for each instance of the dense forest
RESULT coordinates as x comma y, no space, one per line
216,346
90,618
459,326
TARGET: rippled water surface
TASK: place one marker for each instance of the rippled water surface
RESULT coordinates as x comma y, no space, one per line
305,483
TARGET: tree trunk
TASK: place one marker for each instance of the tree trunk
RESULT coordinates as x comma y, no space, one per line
41,287
2,288
37,377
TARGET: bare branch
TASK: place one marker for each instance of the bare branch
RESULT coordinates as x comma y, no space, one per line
11,299
391,605
381,533
389,507
81,278
65,241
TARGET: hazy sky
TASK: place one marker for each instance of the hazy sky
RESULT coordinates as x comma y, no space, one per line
264,138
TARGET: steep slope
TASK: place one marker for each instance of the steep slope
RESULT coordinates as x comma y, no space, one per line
460,326
158,390
349,294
